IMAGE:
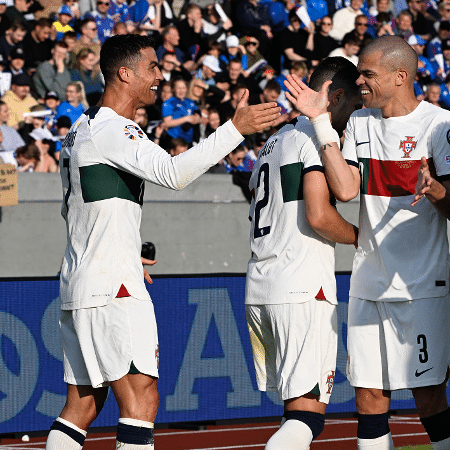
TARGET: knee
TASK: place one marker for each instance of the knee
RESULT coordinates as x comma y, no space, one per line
430,400
372,401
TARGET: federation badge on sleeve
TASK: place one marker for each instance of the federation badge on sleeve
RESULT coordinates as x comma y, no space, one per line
133,132
330,381
447,159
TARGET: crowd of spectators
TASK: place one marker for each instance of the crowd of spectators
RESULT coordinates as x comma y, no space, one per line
209,53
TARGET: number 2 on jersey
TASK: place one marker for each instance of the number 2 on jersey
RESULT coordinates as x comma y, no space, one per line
258,232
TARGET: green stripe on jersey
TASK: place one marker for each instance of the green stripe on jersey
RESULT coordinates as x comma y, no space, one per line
102,182
291,182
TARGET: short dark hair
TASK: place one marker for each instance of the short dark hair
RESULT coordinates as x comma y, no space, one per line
122,50
43,22
340,71
175,142
272,85
29,151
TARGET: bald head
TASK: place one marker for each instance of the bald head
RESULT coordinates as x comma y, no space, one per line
395,54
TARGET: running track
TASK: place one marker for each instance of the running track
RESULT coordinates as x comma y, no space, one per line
339,434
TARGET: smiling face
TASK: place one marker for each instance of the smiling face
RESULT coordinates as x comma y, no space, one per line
180,89
146,77
376,82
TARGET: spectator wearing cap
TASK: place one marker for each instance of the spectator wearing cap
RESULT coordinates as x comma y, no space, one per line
11,138
209,68
37,44
5,23
16,61
434,46
13,38
105,23
426,71
72,107
62,25
18,99
52,75
51,101
344,19
234,50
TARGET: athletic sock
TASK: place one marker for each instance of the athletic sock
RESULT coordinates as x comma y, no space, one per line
373,432
65,436
297,432
438,429
133,434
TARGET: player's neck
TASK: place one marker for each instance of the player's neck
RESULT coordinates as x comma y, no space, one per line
121,104
398,108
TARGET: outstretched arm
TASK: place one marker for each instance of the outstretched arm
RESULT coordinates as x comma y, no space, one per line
437,193
344,180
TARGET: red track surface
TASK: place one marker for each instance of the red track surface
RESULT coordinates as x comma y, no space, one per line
339,434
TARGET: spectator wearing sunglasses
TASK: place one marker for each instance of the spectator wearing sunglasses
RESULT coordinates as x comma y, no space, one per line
360,31
324,44
105,23
88,38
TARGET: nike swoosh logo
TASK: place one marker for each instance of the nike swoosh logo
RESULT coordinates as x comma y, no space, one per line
417,374
361,143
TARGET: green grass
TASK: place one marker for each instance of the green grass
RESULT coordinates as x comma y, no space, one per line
416,447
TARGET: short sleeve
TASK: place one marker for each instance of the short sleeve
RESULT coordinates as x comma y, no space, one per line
349,148
440,147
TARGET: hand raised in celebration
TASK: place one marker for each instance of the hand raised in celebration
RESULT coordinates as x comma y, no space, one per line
254,118
310,103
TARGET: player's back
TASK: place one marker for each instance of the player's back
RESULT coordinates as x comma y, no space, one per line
290,262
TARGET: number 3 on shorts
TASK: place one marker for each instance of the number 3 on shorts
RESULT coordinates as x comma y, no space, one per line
423,354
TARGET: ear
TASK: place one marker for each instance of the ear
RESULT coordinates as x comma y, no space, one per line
402,76
124,74
337,97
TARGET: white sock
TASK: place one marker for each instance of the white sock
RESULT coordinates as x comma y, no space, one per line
62,440
137,426
292,435
381,443
441,445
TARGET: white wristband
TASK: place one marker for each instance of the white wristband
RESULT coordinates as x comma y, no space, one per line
323,129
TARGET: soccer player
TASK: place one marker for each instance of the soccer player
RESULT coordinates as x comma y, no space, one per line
291,287
399,308
107,322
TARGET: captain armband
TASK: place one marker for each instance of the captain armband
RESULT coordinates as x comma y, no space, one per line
324,131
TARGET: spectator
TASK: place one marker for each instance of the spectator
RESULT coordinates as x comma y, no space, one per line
51,101
11,138
13,38
178,146
18,99
16,61
119,28
63,125
443,63
296,44
18,11
344,19
434,46
36,121
52,75
88,38
228,108
180,113
37,44
105,23
324,44
443,13
433,95
72,107
152,15
25,158
46,163
421,26
210,66
5,23
214,28
360,31
70,39
234,160
350,48
255,60
383,26
254,19
233,75
234,51
426,71
86,72
62,25
171,40
270,93
213,121
172,68
120,12
404,25
191,28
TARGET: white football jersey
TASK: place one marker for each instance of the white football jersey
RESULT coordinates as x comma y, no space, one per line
104,161
290,262
403,252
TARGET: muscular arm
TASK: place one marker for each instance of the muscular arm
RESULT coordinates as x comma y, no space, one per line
321,215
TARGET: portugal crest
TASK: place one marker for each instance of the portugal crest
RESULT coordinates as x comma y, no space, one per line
408,145
330,381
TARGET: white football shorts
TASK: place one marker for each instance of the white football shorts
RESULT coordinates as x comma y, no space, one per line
100,343
294,347
398,345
